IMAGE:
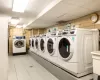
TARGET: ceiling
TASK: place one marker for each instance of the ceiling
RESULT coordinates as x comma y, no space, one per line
45,13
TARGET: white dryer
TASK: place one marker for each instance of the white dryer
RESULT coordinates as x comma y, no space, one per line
74,50
51,48
30,42
42,45
33,44
19,45
51,45
37,45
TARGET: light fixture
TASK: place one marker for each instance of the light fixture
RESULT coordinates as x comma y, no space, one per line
19,26
14,21
24,26
19,5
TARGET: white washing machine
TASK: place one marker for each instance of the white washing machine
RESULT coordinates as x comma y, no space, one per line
35,49
42,45
51,45
33,44
74,50
37,45
51,48
30,43
19,44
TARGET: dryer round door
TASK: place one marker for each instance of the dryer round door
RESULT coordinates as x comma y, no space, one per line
65,48
50,46
42,45
19,43
36,43
30,42
33,43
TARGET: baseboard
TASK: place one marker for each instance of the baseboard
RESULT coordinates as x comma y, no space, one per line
22,53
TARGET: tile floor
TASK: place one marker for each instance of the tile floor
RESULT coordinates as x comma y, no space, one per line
23,67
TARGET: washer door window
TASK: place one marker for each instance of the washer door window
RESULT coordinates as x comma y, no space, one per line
32,43
64,49
50,45
19,43
36,43
42,44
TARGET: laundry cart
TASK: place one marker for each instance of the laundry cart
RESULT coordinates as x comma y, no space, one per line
96,64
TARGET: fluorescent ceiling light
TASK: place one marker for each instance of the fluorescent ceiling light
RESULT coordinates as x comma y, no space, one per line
15,21
19,26
19,5
24,26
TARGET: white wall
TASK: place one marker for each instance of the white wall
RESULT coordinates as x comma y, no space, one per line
3,47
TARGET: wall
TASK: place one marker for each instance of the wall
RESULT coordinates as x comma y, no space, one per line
27,35
82,22
3,47
17,32
38,31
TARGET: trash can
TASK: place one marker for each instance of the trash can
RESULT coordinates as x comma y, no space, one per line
96,63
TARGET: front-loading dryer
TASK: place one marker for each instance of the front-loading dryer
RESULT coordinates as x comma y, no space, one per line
37,45
30,44
42,44
51,48
51,45
19,45
74,50
33,44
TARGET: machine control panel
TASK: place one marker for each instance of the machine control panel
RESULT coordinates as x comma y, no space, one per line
19,37
72,32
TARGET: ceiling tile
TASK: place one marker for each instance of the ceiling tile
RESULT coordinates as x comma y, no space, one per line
62,9
57,11
78,2
36,6
93,5
6,3
24,20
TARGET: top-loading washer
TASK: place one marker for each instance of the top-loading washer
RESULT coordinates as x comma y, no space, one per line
74,50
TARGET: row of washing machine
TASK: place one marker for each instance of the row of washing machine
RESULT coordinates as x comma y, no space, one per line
68,49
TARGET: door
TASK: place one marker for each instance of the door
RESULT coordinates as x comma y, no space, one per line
42,44
33,43
36,43
50,46
64,48
19,43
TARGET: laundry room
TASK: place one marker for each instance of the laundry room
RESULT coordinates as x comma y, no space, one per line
50,40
